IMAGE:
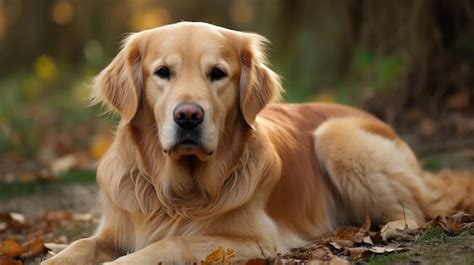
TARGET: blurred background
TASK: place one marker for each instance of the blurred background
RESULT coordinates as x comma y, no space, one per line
411,63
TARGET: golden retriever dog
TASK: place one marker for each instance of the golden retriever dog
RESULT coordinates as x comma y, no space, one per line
205,157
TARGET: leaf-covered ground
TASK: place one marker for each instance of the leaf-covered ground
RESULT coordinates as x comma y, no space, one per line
444,240
32,226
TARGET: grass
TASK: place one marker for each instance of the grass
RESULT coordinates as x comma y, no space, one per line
432,236
434,246
388,259
18,188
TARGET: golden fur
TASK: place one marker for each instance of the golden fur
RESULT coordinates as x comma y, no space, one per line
267,176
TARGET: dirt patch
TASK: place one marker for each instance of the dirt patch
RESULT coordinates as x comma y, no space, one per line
78,198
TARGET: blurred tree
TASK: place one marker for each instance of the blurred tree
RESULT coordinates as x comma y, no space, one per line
421,52
59,28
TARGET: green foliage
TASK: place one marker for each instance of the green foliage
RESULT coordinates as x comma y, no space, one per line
78,177
373,71
431,164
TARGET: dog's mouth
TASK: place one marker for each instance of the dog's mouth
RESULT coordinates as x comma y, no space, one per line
188,147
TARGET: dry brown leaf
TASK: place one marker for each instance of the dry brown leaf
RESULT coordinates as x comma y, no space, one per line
343,243
357,252
350,234
452,224
11,248
219,256
33,248
322,253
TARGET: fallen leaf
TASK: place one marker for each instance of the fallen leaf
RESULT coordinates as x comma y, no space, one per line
220,256
347,236
452,224
33,248
20,218
386,249
63,164
11,248
322,253
343,243
357,252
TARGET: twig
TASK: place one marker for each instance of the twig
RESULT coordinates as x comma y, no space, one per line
404,216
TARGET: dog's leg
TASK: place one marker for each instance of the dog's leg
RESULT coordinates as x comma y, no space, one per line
372,173
194,249
101,247
92,250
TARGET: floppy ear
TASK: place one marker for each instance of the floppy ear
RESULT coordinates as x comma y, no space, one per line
258,84
119,85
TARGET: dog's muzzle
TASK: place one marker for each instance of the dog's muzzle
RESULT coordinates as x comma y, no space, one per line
188,118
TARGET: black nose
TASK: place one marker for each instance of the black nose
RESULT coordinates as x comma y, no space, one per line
188,116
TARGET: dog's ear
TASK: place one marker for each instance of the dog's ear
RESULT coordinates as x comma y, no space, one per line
119,85
258,84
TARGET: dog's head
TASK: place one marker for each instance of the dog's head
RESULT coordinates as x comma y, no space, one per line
195,77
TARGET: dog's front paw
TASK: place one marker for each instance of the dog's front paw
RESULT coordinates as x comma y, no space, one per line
395,229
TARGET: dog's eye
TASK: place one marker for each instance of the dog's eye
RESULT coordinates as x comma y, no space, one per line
217,74
163,72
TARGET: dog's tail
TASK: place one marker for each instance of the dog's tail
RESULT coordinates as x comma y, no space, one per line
449,191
